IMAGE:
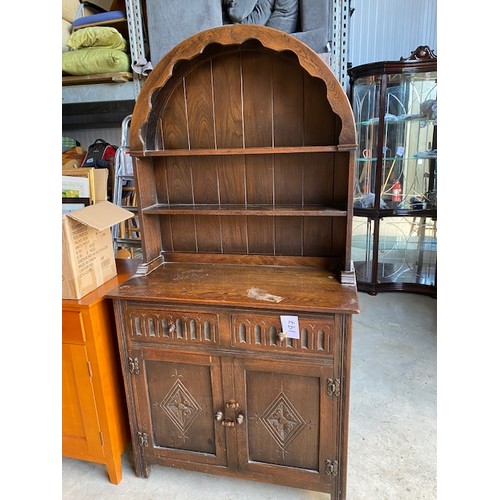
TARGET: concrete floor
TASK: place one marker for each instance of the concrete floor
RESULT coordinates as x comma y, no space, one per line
392,435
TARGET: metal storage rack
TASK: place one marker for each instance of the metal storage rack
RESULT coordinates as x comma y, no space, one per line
119,97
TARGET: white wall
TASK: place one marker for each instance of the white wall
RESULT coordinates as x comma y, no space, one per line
386,30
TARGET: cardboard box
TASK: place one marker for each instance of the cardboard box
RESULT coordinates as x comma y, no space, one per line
88,258
70,9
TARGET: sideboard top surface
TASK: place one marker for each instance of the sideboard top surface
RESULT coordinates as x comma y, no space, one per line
282,288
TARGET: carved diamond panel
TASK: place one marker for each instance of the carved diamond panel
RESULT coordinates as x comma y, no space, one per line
283,421
181,406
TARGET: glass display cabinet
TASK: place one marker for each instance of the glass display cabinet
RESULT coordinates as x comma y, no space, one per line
394,245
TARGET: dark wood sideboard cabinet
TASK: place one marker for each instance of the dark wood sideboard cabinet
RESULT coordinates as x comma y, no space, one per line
243,145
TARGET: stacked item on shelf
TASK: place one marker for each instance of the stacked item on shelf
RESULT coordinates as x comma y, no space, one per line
72,9
97,48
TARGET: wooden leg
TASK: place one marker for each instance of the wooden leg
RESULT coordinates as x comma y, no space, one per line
114,468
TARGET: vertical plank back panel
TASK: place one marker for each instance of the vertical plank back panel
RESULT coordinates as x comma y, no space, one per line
179,180
339,237
183,233
166,234
232,179
288,103
318,179
174,121
199,105
208,233
319,119
234,235
205,180
261,235
227,101
288,179
259,179
317,236
289,235
257,74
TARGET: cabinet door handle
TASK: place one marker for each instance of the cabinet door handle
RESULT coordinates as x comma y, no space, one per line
229,422
232,404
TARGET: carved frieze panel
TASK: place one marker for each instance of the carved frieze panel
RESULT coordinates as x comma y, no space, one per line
172,326
259,332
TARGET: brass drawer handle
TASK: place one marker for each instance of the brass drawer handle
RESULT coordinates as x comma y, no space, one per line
229,422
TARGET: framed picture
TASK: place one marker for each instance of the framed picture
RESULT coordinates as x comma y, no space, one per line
79,183
72,204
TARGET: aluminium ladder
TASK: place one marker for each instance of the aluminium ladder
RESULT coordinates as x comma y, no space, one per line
126,235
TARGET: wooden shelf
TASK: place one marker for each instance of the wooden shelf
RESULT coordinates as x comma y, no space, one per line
228,210
243,151
118,77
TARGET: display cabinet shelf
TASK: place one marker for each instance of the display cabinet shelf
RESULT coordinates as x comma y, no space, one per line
394,245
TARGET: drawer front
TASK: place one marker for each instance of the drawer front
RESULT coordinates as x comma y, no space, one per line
262,333
170,326
73,331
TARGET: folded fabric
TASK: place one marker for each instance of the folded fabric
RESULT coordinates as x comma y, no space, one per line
250,12
285,16
99,18
97,36
93,61
279,14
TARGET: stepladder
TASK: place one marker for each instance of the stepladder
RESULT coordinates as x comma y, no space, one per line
126,235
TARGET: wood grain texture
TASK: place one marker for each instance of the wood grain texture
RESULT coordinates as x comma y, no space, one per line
94,424
244,144
302,288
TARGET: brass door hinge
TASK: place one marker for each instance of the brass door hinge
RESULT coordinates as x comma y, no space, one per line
133,365
333,387
331,467
143,439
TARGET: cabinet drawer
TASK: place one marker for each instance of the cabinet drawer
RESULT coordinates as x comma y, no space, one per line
72,327
171,327
256,332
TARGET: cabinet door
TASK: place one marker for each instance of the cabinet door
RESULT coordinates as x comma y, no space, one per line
176,398
287,408
80,425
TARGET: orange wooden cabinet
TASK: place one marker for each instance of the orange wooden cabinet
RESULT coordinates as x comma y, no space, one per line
94,415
